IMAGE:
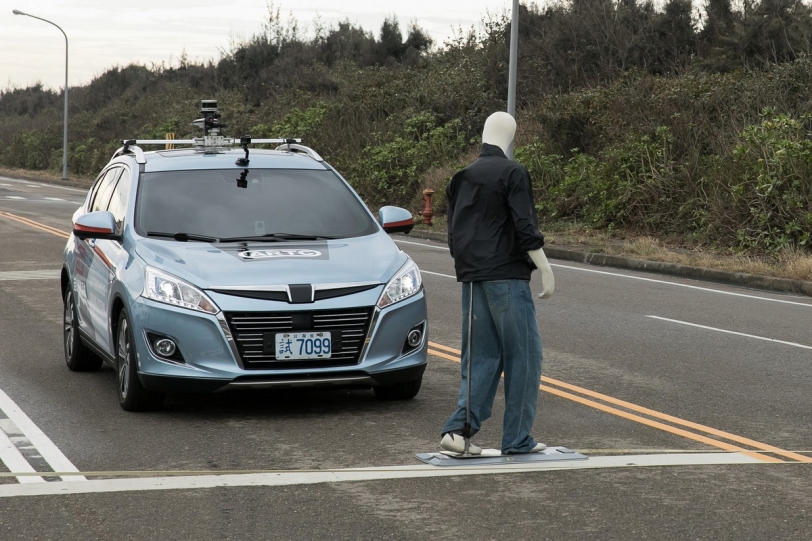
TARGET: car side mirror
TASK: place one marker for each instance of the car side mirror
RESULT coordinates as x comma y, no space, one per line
395,220
96,225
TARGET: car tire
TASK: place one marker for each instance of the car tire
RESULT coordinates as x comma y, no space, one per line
77,356
399,391
132,395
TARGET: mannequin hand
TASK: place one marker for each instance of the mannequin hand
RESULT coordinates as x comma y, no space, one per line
547,278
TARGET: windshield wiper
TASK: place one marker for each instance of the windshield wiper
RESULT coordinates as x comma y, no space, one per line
183,237
278,237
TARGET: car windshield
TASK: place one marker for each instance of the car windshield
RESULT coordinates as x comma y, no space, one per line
276,203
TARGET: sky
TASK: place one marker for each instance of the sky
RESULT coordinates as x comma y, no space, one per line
105,34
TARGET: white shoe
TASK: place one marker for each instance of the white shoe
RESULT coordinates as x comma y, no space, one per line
455,443
538,448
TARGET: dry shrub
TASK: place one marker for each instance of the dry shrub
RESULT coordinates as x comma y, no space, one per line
789,263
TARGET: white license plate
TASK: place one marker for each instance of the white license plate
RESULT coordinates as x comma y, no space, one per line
303,345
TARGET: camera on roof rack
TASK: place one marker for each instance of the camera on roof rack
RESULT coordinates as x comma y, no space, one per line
210,123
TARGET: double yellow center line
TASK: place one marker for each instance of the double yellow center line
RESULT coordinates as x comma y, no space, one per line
35,225
557,387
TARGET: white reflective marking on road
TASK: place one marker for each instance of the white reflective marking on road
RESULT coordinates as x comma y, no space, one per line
15,461
436,274
14,197
77,190
617,274
29,275
41,185
709,290
366,474
53,199
421,244
6,185
44,201
794,344
49,451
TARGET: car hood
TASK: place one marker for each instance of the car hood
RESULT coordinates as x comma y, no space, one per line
372,258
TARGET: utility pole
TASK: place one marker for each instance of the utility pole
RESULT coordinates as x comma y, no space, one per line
514,60
65,116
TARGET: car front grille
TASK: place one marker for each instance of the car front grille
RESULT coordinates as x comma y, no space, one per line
248,329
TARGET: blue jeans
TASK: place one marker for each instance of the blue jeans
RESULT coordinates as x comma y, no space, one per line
505,338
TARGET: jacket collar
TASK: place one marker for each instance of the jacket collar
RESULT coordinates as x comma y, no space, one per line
491,150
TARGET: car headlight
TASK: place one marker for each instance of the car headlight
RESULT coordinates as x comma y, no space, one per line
163,287
404,284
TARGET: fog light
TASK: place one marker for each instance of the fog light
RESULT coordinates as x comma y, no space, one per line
165,347
414,337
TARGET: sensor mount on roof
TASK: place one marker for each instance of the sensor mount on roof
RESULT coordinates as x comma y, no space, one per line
210,123
213,141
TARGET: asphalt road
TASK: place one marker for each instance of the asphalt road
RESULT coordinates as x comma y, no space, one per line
638,369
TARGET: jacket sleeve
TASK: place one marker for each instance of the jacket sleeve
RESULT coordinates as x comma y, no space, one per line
522,211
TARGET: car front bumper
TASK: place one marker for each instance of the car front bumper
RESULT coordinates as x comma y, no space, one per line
211,363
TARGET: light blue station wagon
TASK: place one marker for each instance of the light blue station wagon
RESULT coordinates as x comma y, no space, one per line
200,270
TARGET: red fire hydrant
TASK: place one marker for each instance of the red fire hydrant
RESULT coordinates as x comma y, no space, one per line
426,213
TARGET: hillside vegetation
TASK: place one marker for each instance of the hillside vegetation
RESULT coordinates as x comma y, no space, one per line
685,121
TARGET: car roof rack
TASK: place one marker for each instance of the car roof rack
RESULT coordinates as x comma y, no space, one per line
213,144
300,149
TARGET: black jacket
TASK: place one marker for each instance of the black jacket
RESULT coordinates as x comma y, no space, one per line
492,222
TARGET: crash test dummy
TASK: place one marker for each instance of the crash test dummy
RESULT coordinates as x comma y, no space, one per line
494,239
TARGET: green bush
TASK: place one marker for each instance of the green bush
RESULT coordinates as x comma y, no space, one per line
771,185
633,184
300,124
547,173
30,150
391,173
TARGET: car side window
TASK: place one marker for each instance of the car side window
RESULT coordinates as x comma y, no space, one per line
105,189
118,201
91,194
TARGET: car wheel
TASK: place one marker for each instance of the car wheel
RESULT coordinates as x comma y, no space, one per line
132,396
77,356
400,391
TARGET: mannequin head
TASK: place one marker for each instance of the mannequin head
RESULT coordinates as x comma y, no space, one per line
499,130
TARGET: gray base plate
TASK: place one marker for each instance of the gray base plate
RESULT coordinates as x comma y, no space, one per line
493,457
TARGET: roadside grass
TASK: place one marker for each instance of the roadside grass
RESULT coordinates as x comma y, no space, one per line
792,264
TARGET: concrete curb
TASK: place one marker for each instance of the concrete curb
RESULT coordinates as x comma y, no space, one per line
755,281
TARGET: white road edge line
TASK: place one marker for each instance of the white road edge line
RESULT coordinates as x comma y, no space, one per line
794,344
365,474
421,244
15,461
710,290
49,451
437,274
42,185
